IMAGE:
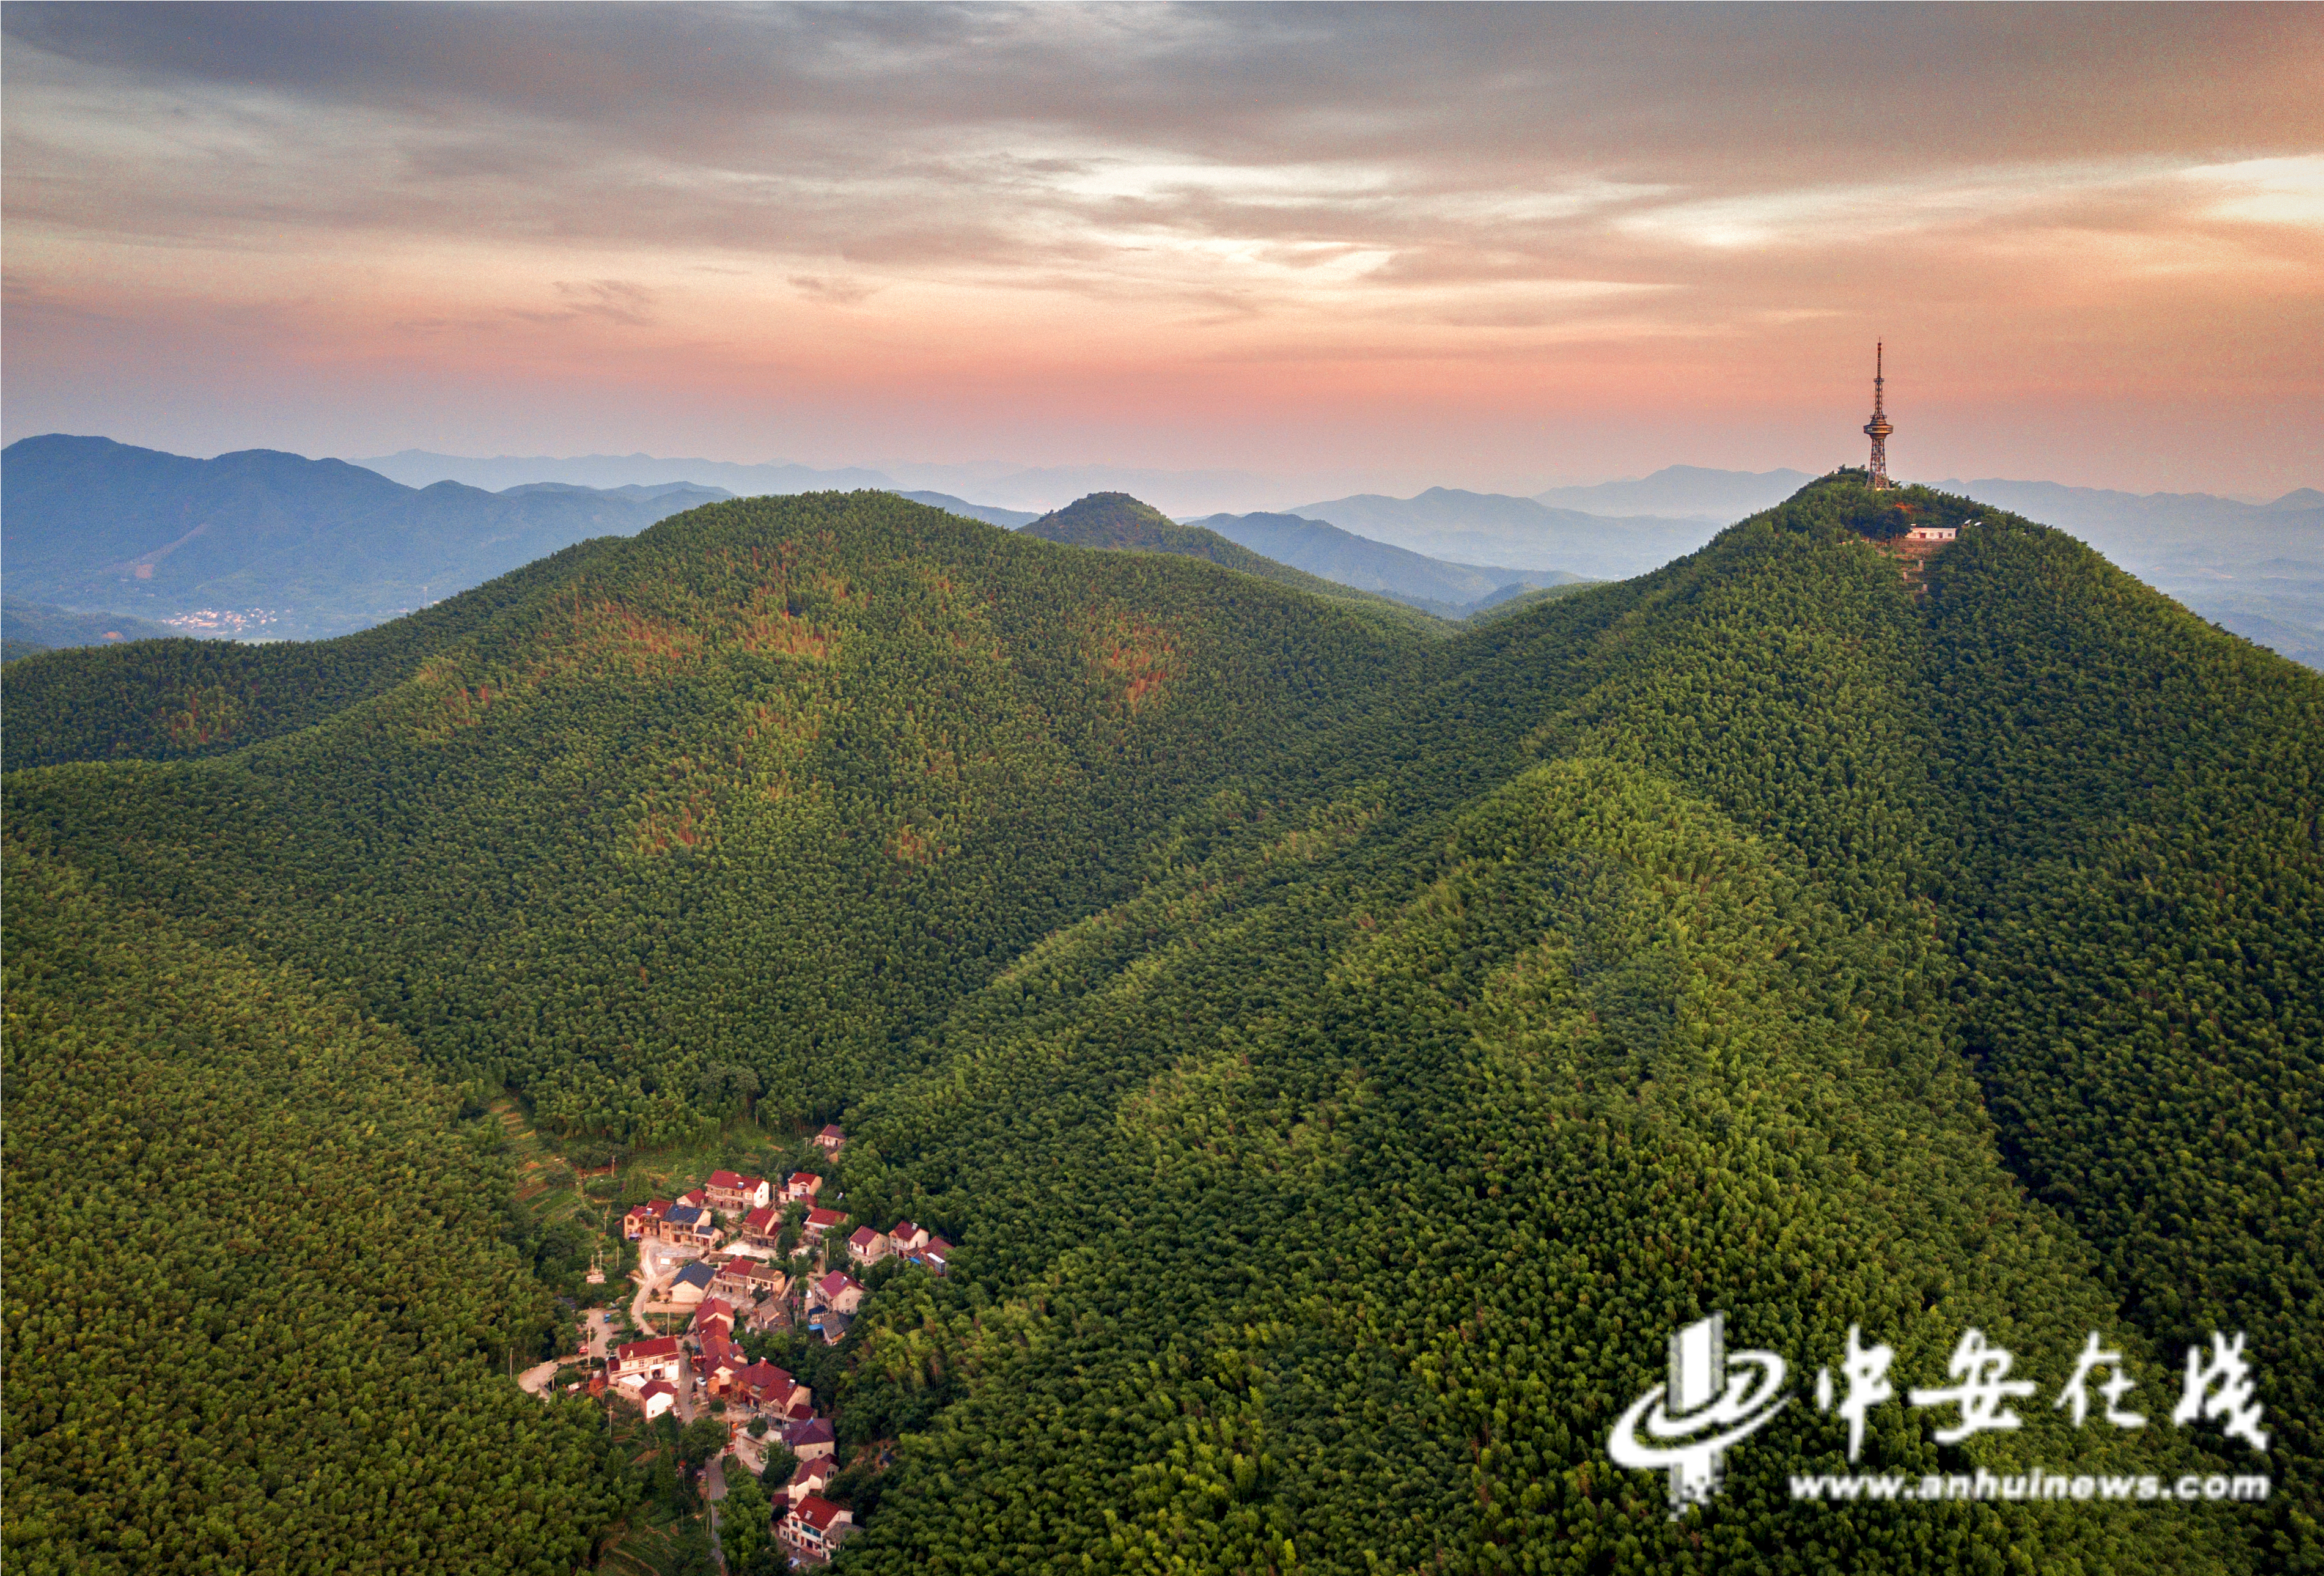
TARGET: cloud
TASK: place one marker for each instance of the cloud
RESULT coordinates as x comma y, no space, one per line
845,293
1120,190
615,300
2270,191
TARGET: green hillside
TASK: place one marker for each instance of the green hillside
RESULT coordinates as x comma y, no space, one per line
258,1274
1120,523
1342,1054
179,699
1658,1025
874,748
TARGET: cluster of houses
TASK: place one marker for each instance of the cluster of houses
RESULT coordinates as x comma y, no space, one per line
727,1280
740,1273
809,1524
691,1220
913,1244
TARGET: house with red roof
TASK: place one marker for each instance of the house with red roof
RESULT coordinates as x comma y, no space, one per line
809,1438
935,1255
818,1221
815,1528
641,1360
714,1313
734,1195
907,1237
802,1187
772,1392
867,1246
719,1365
641,1220
762,1227
839,1292
809,1477
830,1140
657,1396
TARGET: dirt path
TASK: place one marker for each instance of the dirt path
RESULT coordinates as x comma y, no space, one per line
637,1302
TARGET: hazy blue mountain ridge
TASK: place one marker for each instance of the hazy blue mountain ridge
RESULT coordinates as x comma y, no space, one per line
265,544
1681,491
1320,548
262,543
1006,519
2255,568
1029,490
417,467
1498,529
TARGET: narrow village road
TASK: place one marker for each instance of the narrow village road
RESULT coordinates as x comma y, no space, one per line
600,1333
645,1292
535,1380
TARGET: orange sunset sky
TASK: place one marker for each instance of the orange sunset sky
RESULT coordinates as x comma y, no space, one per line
1377,248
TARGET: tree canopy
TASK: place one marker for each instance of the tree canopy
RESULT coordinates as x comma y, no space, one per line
1342,1054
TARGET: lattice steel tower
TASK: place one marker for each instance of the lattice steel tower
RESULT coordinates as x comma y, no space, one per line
1877,429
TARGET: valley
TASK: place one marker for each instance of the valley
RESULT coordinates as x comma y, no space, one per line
1340,1044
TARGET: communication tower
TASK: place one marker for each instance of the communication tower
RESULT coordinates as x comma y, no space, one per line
1877,429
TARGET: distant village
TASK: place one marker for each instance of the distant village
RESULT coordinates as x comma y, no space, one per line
735,1256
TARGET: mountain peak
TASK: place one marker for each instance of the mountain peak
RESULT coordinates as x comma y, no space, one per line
1109,520
1117,522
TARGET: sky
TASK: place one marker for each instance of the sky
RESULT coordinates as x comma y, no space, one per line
1375,248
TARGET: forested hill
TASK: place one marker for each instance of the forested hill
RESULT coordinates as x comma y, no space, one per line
1118,522
1748,937
179,699
1344,1057
736,805
807,767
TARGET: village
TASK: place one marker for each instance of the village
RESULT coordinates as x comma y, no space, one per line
741,1256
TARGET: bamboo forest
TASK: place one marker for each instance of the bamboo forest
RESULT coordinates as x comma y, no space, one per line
1339,1049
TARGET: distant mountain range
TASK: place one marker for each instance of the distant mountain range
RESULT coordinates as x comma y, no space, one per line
2256,569
1291,550
1007,519
416,467
1487,528
1682,491
1027,489
1116,521
1436,586
270,545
